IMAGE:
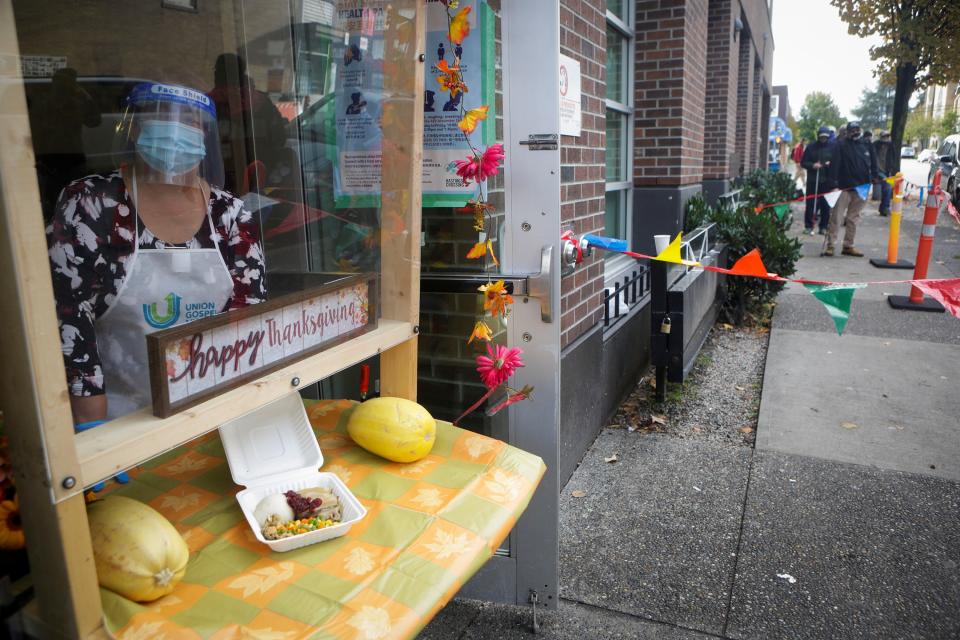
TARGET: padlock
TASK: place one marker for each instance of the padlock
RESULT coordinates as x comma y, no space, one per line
665,325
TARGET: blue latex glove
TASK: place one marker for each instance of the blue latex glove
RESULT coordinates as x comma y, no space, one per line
121,477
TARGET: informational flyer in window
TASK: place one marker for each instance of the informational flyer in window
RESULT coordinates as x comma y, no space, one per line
443,142
357,105
357,158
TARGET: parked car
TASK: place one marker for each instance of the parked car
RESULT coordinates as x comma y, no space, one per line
907,152
948,161
927,155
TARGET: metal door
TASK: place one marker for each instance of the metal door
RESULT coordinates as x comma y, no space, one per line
528,244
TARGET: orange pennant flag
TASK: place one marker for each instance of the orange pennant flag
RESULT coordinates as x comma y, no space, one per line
750,265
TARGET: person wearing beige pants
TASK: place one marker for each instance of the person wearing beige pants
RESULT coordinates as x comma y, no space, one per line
847,209
854,165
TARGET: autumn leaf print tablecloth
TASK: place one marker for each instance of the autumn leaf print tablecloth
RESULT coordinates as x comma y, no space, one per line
430,526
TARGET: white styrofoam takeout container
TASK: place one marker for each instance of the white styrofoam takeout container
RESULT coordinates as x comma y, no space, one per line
273,450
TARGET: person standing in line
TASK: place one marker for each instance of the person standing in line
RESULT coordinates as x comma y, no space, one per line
854,164
797,157
816,160
882,150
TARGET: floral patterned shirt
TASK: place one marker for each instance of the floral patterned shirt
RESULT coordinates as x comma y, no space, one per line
90,241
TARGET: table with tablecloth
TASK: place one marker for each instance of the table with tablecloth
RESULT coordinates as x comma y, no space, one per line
430,526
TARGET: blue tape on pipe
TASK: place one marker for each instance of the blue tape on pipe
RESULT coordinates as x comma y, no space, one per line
610,244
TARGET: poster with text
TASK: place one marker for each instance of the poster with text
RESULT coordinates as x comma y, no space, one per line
443,142
357,105
357,157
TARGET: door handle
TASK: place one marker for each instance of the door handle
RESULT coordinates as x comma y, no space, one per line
534,285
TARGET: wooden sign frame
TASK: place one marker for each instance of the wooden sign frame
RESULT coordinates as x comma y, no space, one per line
159,342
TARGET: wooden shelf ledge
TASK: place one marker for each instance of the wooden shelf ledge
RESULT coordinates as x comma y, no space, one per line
125,442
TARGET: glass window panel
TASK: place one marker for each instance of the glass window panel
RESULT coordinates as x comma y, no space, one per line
615,225
615,65
616,146
616,7
280,106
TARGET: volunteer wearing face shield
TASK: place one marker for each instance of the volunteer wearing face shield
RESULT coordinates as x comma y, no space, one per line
154,244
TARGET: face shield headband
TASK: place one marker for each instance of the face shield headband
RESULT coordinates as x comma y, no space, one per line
165,143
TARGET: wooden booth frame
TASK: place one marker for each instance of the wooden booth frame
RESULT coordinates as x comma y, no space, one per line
52,464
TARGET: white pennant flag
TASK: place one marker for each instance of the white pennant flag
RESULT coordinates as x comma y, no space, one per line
831,198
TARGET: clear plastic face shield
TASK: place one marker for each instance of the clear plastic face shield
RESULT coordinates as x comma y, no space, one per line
168,134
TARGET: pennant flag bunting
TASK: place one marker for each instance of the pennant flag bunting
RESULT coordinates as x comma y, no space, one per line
781,210
836,298
749,265
672,252
946,292
952,210
832,198
891,180
863,191
920,199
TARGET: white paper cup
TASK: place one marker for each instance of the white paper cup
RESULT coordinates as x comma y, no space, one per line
661,242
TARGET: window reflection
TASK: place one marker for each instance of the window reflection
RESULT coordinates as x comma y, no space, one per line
286,190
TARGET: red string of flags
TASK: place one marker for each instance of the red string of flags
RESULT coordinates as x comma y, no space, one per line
837,297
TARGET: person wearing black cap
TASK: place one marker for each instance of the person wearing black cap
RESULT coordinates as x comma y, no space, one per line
881,149
854,164
816,160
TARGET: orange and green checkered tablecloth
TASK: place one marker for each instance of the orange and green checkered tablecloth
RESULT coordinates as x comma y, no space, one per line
430,526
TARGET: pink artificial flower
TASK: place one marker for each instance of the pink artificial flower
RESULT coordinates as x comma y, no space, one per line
480,167
512,398
497,369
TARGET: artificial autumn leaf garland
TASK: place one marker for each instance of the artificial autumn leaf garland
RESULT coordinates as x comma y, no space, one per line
501,362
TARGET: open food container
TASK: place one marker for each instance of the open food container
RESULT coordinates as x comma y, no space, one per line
273,450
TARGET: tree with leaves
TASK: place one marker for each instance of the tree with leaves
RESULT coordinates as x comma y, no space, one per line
919,128
818,110
876,107
918,48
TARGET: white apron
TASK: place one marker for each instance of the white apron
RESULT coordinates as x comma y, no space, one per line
163,288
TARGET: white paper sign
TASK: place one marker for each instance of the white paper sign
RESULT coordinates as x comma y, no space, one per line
570,108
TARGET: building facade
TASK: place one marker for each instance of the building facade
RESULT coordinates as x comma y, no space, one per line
676,103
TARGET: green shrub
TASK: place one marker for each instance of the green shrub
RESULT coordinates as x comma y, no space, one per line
743,229
764,187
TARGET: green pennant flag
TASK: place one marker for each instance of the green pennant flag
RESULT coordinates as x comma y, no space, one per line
781,210
836,298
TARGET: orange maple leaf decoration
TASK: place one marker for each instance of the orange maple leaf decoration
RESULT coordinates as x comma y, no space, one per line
472,118
479,209
496,298
460,26
450,79
481,249
481,332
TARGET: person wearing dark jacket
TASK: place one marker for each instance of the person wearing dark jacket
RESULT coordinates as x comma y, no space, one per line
881,149
816,160
854,164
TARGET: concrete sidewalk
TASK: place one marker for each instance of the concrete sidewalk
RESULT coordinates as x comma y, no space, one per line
841,523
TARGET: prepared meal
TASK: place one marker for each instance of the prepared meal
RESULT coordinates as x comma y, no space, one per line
294,512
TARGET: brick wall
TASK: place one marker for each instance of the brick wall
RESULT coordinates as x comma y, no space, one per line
720,111
745,151
583,38
669,91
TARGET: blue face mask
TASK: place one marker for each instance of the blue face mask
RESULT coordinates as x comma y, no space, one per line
170,147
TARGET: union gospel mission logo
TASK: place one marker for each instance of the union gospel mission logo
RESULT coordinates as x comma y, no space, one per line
170,317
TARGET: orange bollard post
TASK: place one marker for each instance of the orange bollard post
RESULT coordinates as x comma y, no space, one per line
893,240
916,300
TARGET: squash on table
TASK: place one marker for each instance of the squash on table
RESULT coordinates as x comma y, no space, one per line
138,553
393,428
